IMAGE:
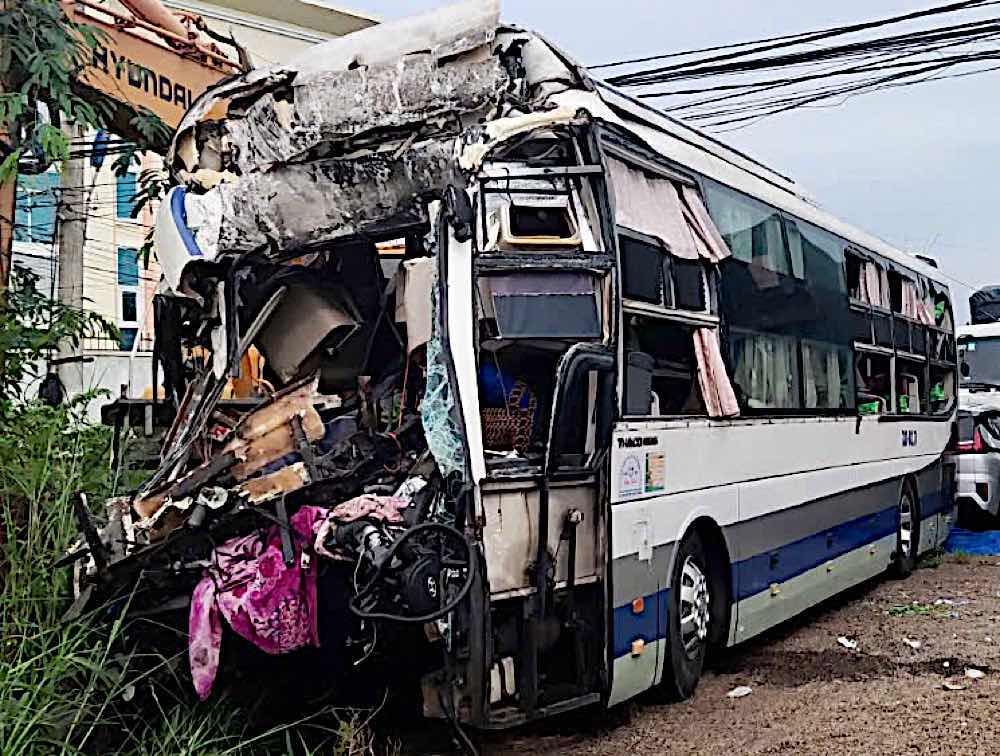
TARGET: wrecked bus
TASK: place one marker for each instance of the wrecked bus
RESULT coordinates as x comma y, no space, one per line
558,393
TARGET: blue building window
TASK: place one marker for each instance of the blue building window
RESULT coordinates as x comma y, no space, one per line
35,211
128,266
125,187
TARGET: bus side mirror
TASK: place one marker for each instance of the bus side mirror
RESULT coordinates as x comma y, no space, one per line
584,396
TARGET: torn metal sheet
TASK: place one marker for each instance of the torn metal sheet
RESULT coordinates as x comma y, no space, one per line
333,112
296,205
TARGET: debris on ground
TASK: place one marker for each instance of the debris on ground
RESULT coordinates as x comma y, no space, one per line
847,643
740,691
811,698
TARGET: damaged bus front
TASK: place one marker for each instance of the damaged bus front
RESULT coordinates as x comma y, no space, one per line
416,246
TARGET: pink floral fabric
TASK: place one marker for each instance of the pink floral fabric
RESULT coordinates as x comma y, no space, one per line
270,604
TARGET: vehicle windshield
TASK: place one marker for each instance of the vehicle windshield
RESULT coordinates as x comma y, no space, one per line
980,361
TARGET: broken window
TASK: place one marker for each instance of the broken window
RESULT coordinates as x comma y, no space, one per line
651,275
827,376
910,387
661,372
873,371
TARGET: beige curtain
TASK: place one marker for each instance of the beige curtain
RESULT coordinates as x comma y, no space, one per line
651,206
766,370
716,389
821,381
672,213
415,280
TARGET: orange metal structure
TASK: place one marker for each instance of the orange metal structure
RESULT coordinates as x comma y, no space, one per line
149,60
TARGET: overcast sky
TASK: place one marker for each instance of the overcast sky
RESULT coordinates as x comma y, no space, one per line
918,166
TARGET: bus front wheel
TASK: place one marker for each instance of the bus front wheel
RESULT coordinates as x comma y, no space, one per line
689,617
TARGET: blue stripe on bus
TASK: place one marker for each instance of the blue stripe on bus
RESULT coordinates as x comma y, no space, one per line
649,625
755,574
178,211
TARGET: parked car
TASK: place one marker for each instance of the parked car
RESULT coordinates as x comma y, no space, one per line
977,444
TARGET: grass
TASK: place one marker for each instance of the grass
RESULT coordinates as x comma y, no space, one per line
911,610
78,687
932,559
960,557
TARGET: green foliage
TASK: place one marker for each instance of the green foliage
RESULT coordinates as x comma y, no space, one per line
8,168
151,128
54,143
911,610
32,327
41,54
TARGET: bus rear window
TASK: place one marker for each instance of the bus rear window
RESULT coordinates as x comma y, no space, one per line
980,362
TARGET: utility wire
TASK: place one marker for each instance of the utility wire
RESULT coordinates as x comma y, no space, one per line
731,89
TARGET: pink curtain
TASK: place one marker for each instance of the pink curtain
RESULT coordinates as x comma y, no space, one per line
651,206
711,244
673,213
716,388
870,286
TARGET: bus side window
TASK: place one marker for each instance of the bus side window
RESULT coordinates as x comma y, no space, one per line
874,383
661,368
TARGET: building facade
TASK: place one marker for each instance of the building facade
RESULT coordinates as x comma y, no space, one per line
117,282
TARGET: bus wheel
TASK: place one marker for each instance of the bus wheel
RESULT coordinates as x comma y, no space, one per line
689,618
907,532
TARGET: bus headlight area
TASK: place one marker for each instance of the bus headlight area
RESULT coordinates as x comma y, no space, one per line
510,392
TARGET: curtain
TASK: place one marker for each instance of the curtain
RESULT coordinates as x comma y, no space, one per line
651,206
766,370
710,242
875,285
673,213
716,389
821,378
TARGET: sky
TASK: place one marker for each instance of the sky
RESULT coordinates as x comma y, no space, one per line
918,166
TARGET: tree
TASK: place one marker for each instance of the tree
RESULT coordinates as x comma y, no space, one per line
42,54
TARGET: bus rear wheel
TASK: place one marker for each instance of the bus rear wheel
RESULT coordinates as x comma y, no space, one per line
907,532
689,618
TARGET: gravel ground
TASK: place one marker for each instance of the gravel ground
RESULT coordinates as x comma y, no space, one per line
813,696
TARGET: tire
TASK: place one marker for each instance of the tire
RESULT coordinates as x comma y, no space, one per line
907,532
689,618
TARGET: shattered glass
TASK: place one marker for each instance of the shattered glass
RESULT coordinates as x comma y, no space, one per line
437,409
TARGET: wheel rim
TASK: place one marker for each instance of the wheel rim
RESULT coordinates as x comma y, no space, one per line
695,602
905,525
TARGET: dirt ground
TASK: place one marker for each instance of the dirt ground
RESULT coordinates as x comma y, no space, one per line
813,696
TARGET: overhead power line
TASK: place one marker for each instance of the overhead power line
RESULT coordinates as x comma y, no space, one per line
739,83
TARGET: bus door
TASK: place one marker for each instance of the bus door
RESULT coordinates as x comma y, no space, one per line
572,489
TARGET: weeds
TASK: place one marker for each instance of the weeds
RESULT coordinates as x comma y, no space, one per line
911,610
960,557
932,559
76,687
